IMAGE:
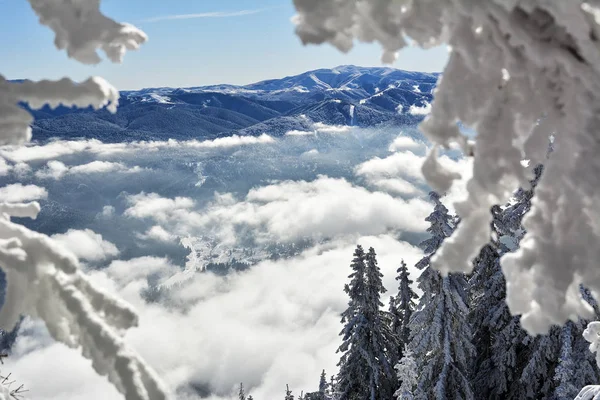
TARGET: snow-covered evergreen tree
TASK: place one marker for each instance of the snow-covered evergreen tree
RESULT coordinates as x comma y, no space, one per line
288,393
501,343
496,355
250,397
441,334
351,382
566,368
381,340
332,392
365,371
241,393
576,366
401,309
322,386
407,375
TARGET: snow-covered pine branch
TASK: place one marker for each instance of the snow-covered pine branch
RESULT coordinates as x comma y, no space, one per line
519,71
43,280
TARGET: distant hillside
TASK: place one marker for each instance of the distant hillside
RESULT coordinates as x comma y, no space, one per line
346,95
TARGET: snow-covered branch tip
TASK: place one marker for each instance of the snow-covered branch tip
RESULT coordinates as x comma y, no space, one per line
15,121
519,72
81,29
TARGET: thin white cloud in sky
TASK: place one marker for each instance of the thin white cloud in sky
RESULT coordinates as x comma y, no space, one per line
213,14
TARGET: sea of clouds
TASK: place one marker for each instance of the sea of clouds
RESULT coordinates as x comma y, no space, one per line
146,218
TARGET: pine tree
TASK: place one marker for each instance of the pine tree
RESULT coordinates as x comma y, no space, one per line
353,368
440,332
382,340
503,347
407,375
322,386
401,309
241,394
332,392
576,367
288,393
250,397
365,371
488,314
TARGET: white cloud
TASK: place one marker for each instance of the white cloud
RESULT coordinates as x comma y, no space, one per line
310,153
107,212
5,168
151,205
98,167
397,186
400,173
60,148
286,211
299,133
403,142
214,14
157,233
18,193
229,141
423,110
332,129
56,169
87,244
207,336
33,152
401,164
319,127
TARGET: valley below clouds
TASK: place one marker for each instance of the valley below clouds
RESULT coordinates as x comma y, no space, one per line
233,250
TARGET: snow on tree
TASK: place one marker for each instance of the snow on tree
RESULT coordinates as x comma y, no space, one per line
488,314
566,368
241,393
250,397
381,339
42,280
498,336
407,375
288,393
332,393
592,335
322,386
401,308
556,365
365,372
441,334
518,72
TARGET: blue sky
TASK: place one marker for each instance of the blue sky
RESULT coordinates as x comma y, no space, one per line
245,41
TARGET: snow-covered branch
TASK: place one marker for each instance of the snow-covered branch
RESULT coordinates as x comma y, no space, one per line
43,280
519,71
15,122
82,29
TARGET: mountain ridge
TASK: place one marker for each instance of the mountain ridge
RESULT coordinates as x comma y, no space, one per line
345,95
